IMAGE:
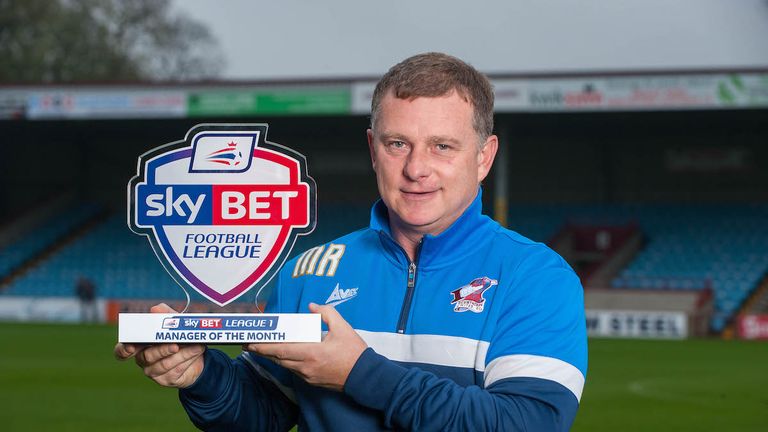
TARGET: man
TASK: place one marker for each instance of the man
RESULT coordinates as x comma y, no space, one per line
443,320
85,290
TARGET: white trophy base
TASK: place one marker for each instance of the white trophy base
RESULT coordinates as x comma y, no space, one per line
212,328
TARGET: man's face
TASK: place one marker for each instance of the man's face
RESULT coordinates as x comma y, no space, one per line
428,160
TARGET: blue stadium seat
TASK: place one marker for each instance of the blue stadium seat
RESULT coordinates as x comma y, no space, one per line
44,236
687,247
122,265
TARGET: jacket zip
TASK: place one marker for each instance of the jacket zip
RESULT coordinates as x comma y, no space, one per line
411,286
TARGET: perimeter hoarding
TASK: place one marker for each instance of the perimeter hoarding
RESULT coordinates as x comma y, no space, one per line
105,103
753,326
637,324
608,92
248,102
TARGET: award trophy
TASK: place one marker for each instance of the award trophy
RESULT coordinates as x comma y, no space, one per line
222,209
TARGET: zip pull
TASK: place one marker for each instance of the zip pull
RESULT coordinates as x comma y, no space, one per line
412,275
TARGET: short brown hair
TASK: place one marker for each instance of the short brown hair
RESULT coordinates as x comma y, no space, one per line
437,74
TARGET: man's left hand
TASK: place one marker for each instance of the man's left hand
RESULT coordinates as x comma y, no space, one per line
325,364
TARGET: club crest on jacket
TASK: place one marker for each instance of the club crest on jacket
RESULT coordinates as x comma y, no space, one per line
470,296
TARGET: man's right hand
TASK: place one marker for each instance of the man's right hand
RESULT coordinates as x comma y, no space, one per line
170,365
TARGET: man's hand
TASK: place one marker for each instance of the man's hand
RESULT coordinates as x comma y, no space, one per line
326,364
170,365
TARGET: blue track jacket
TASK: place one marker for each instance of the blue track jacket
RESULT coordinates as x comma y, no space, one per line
485,330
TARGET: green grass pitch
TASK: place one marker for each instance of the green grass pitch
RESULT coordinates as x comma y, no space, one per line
64,378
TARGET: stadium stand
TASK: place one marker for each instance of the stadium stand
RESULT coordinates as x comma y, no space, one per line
122,266
718,246
110,256
13,227
42,236
721,247
687,247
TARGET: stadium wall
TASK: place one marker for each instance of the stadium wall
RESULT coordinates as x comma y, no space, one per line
647,314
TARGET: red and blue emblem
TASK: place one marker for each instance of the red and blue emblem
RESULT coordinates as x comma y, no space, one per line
229,155
222,208
470,296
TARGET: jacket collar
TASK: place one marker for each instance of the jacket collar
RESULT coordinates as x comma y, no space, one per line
459,240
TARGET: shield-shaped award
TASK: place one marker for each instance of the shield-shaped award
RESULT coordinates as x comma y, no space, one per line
222,209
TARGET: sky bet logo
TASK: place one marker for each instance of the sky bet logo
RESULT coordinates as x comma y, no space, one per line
229,322
222,208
